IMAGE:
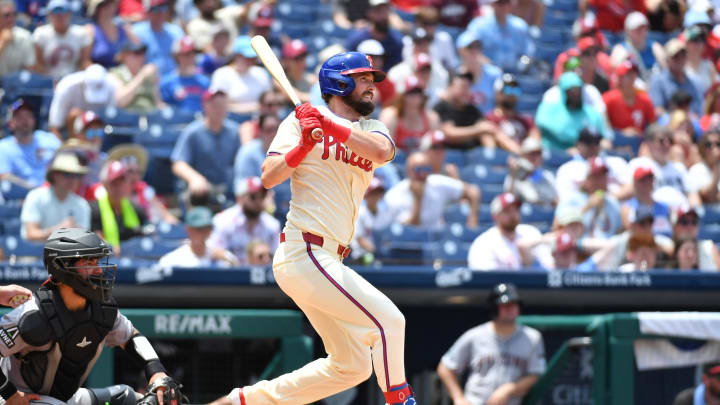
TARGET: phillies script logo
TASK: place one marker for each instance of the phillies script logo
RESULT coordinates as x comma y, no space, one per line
341,154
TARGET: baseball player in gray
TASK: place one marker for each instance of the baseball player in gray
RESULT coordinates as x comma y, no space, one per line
503,359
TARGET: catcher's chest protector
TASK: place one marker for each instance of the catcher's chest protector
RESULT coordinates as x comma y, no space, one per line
77,335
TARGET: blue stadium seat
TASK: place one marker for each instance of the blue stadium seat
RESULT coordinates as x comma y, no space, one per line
18,247
711,232
487,156
537,213
565,5
11,227
481,174
457,213
158,140
555,158
710,214
119,117
11,191
460,232
490,191
400,158
451,252
454,156
623,142
560,17
529,102
555,34
548,51
118,135
171,231
170,116
10,211
660,37
532,85
239,118
484,216
147,247
26,83
297,12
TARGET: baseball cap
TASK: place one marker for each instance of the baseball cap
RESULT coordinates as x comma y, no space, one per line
263,17
624,67
211,92
242,47
20,104
422,60
130,46
375,184
97,89
371,47
293,49
530,144
413,83
507,82
587,135
586,43
420,34
597,165
642,212
564,241
183,45
58,6
695,16
635,20
643,171
199,217
113,170
571,64
681,211
567,215
674,46
248,185
375,3
157,5
66,163
465,39
502,201
87,118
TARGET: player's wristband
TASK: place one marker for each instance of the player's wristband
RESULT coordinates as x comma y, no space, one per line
296,155
339,131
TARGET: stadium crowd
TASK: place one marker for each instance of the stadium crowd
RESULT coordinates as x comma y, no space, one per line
530,134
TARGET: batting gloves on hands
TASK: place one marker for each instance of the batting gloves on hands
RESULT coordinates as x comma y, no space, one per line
305,113
338,131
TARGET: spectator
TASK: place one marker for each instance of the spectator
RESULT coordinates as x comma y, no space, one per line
250,157
113,215
565,252
601,211
31,13
528,179
583,27
684,150
698,69
504,359
685,225
571,174
135,158
87,90
55,206
132,10
433,77
408,120
590,94
441,46
271,103
261,18
385,88
293,55
433,144
669,80
672,185
497,248
589,69
501,27
237,226
216,54
636,48
532,12
629,109
685,256
196,252
185,86
16,45
61,48
259,254
712,108
201,28
363,247
462,122
206,149
570,220
484,73
136,82
561,121
518,127
643,184
641,252
159,36
704,176
378,15
708,392
456,13
666,15
611,14
86,139
25,155
108,36
241,79
420,199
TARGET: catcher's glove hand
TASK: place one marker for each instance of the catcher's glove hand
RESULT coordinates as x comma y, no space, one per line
171,393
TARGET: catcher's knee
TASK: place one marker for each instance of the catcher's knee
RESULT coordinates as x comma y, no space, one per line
120,394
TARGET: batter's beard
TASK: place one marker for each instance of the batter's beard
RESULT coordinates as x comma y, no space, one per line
363,108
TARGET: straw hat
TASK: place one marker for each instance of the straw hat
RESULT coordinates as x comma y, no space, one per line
130,153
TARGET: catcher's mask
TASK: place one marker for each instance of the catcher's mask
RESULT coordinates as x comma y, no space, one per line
93,280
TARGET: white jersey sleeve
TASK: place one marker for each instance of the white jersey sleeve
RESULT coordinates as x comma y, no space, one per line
287,137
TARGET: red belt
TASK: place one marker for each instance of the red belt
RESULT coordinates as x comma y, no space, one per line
308,237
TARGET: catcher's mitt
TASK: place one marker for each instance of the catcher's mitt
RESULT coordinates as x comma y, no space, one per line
171,394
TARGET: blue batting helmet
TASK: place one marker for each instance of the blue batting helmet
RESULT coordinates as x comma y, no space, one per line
337,69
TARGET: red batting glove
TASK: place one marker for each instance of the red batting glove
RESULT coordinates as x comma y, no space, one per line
339,131
307,142
305,110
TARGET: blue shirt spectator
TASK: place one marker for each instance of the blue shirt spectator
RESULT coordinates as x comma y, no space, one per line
661,215
380,30
666,82
184,87
483,90
33,9
27,153
159,36
501,27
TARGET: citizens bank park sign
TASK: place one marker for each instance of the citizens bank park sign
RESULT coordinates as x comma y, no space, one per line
560,279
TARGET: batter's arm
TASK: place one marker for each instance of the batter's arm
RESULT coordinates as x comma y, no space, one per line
275,171
371,145
452,384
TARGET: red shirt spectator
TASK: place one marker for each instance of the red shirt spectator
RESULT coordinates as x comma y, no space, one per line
132,10
611,13
628,109
456,13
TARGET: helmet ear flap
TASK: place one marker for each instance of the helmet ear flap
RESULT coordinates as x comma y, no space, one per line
336,89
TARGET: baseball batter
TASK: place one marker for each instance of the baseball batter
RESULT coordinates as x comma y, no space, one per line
504,359
360,327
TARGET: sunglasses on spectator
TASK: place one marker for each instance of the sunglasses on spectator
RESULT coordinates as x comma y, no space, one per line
664,140
592,141
71,175
687,221
422,169
590,52
8,14
94,132
511,90
646,222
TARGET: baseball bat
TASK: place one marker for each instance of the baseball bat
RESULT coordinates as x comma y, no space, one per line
272,64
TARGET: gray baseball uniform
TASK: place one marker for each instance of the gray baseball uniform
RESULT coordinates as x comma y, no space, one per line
492,360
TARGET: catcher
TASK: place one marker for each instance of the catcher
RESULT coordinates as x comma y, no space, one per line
50,343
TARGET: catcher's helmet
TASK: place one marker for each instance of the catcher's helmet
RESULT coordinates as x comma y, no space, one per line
62,250
503,293
337,69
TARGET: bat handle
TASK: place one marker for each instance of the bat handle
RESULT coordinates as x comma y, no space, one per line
317,134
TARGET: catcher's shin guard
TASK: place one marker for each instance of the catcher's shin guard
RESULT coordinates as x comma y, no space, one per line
400,394
120,394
